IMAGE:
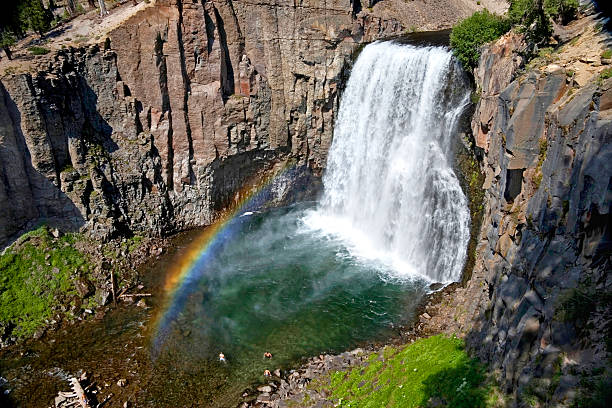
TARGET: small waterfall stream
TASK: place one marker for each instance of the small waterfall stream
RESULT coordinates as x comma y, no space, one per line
390,190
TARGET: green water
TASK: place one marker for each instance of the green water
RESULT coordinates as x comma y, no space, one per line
274,286
277,286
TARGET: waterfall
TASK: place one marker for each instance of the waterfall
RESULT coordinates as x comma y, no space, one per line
389,189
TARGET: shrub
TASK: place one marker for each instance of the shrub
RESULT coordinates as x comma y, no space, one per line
7,38
558,10
576,305
605,74
38,50
561,10
535,16
472,33
607,54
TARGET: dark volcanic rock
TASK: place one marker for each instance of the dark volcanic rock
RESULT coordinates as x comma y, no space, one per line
545,242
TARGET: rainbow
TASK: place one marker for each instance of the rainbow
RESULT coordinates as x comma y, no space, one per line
183,277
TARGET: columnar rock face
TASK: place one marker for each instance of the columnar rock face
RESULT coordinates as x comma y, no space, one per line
73,150
191,101
546,238
187,102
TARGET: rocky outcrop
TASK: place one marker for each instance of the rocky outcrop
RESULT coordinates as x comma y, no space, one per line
74,152
180,107
546,242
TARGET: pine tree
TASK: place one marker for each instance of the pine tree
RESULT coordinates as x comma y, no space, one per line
7,38
34,16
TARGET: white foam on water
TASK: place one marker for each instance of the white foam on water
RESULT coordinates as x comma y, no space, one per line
390,193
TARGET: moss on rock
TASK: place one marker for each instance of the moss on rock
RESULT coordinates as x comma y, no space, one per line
36,276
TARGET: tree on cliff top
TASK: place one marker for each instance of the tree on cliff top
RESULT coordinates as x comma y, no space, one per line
103,10
20,16
535,17
7,38
34,16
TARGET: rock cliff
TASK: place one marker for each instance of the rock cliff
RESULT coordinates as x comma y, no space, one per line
157,127
545,131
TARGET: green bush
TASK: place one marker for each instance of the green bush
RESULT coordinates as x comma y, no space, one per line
561,10
7,38
471,34
576,305
38,50
605,74
607,54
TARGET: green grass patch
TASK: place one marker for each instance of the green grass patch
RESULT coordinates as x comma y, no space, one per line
35,50
432,369
607,54
605,74
35,276
545,56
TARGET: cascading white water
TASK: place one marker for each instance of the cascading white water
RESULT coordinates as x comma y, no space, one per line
389,190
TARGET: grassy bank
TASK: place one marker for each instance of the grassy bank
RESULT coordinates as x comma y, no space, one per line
36,277
433,371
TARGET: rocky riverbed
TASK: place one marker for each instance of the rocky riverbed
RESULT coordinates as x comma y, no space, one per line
447,311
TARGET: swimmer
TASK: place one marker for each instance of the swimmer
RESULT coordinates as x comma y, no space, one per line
222,357
267,373
267,354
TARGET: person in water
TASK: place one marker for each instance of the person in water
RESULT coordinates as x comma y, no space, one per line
267,354
222,357
267,373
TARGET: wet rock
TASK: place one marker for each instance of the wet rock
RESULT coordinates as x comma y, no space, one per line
264,388
436,286
103,296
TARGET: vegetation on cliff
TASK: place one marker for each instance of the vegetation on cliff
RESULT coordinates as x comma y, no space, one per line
432,370
36,274
472,33
534,17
